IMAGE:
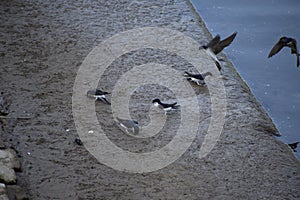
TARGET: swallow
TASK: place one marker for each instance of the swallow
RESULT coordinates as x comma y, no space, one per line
128,126
165,106
98,95
197,78
294,146
285,42
216,45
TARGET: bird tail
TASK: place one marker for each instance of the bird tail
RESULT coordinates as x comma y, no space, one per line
176,106
187,74
218,65
107,102
206,74
104,100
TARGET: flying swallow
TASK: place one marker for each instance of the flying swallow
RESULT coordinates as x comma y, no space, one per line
285,42
216,45
294,146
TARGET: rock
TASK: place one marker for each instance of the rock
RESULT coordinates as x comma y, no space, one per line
15,192
7,175
2,189
9,158
4,197
3,192
8,162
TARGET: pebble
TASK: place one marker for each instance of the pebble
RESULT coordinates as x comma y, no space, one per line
7,175
8,164
9,158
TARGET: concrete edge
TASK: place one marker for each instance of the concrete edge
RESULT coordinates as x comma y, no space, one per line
241,80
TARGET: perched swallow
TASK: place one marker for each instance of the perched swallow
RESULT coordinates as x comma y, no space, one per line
216,45
285,42
128,126
294,146
197,78
165,106
98,95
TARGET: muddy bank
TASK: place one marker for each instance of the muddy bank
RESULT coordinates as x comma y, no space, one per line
42,47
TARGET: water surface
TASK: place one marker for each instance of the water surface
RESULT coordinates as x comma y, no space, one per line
276,81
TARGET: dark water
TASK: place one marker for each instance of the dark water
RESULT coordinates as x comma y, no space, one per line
276,81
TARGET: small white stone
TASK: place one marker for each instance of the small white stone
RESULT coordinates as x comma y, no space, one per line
28,153
91,131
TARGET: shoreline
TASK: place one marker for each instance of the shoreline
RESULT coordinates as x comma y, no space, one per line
250,58
231,65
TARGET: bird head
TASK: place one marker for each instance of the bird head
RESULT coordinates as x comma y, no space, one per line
284,39
91,92
156,101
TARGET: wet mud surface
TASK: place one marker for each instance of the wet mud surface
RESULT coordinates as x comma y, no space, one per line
42,47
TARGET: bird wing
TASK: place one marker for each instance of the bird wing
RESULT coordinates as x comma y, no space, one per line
294,50
165,105
104,100
168,105
175,106
128,126
214,41
120,121
187,73
136,130
218,64
197,76
276,48
100,92
224,43
293,46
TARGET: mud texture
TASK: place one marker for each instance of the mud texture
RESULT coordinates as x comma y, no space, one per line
42,46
